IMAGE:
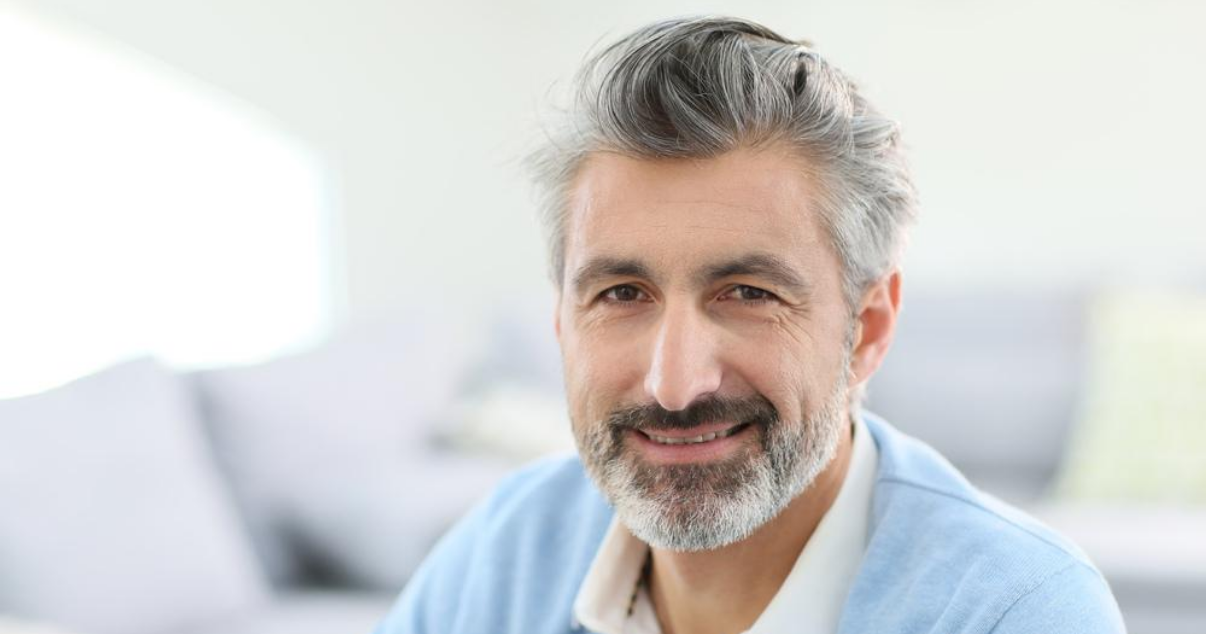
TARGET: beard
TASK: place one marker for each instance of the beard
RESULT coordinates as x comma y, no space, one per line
692,507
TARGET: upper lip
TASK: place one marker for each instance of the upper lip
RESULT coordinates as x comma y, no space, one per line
698,430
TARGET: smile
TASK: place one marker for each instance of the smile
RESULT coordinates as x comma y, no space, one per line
695,440
708,442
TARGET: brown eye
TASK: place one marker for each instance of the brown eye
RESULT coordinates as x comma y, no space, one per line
624,293
750,294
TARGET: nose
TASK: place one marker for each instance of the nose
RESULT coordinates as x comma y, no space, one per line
684,366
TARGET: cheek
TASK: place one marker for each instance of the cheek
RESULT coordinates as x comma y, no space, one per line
789,366
783,379
600,375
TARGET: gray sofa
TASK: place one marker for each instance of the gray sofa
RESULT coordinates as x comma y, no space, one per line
294,496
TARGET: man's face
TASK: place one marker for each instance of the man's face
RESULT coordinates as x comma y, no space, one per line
705,340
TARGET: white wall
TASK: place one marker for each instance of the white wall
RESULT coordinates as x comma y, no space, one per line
1052,140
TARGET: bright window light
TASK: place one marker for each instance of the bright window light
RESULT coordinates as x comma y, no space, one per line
142,213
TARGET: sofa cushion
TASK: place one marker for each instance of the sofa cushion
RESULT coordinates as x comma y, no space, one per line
330,451
370,526
114,517
1141,433
989,378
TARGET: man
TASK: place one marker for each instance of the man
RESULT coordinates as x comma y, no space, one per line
726,213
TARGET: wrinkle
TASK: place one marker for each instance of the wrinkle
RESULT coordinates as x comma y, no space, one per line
789,326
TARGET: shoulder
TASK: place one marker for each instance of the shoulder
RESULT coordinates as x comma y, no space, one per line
1072,599
919,491
978,561
518,557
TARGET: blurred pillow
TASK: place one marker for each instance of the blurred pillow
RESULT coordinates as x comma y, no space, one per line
514,421
989,377
343,433
1141,435
373,524
114,520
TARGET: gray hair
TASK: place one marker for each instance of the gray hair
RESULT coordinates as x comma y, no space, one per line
700,87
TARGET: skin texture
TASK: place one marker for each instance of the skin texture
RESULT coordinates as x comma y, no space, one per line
652,311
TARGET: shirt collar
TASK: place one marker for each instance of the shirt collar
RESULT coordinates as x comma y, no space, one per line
602,602
810,599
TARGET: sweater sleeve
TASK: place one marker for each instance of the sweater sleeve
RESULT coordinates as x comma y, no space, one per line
1075,600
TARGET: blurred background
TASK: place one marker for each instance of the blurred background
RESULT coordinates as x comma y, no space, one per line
291,250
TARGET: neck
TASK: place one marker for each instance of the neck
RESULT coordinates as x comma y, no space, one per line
723,591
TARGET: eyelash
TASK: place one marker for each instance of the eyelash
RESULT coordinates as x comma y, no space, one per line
768,296
606,295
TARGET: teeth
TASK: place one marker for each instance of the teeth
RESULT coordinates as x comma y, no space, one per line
695,440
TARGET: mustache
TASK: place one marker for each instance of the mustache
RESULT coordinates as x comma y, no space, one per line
755,409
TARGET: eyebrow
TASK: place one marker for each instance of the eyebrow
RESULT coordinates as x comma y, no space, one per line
606,267
762,265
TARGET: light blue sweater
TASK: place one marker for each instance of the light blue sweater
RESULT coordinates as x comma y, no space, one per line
942,557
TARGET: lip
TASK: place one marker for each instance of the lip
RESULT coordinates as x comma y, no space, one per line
717,449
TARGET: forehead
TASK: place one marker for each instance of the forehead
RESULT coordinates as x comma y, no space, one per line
669,212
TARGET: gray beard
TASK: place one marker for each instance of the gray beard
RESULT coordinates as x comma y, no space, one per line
696,507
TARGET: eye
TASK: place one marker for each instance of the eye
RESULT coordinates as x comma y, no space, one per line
623,294
749,294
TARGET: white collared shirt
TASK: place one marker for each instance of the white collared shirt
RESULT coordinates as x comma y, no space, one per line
810,599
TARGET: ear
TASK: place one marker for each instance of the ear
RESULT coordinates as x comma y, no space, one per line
874,327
